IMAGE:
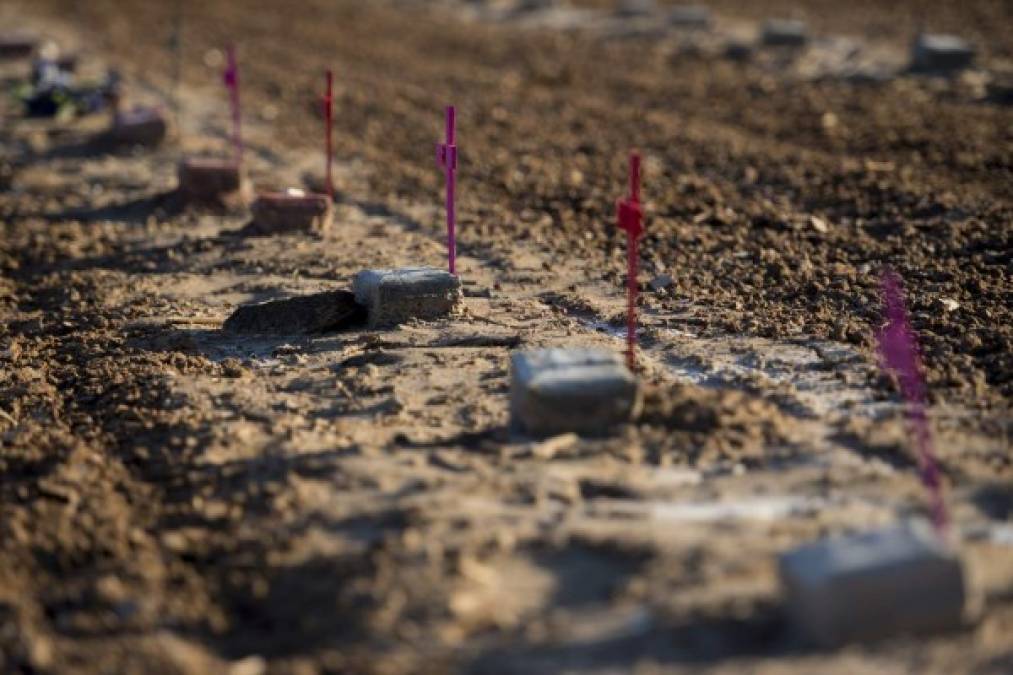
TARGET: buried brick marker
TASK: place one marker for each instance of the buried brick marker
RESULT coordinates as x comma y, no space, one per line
898,350
395,296
231,79
630,218
293,210
446,157
887,582
207,181
560,390
874,585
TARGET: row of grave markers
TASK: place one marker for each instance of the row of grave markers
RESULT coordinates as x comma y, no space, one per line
860,587
855,588
629,210
827,583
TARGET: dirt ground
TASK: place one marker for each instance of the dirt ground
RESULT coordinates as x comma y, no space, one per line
175,498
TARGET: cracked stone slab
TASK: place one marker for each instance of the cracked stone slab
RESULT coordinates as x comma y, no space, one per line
874,585
395,296
559,390
317,313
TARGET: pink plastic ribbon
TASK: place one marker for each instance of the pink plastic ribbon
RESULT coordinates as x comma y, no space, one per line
630,214
446,158
898,351
231,78
328,120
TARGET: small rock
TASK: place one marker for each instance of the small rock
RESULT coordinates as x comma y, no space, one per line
549,448
232,367
661,282
784,33
939,53
250,665
819,224
949,304
874,585
318,313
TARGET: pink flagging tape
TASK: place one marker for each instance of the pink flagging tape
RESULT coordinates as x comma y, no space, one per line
328,132
446,158
630,218
231,78
898,350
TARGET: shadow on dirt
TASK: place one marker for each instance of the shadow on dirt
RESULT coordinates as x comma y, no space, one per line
691,642
133,211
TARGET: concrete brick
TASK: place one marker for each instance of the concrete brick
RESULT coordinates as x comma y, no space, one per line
291,211
784,33
559,390
874,585
395,296
209,181
139,126
941,53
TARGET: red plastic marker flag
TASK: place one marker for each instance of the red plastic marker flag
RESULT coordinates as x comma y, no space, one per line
328,121
446,158
630,217
231,78
898,350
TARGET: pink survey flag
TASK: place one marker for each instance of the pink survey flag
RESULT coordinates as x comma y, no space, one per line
898,350
446,158
231,79
630,214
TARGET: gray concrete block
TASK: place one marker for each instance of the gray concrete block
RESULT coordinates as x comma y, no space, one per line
291,211
560,390
144,127
395,296
874,585
936,53
209,181
784,33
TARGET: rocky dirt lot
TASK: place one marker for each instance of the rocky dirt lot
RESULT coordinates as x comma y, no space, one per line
176,498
